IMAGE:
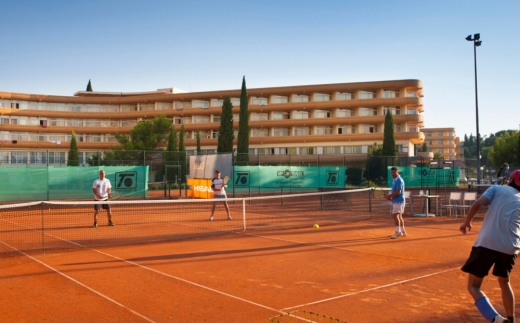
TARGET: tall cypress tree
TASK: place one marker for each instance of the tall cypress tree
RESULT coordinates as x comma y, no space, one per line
89,86
389,148
197,137
225,132
243,126
73,159
182,153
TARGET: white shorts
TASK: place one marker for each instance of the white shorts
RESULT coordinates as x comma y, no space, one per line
397,208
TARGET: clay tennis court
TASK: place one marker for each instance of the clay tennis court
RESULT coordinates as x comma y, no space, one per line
347,270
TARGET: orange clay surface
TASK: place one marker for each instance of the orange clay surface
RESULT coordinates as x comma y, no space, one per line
350,271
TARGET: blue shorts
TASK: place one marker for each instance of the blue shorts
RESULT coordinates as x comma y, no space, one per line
219,196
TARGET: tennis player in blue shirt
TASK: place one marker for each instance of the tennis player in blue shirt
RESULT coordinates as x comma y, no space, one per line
398,203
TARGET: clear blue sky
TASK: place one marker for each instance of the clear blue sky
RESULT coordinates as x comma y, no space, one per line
56,46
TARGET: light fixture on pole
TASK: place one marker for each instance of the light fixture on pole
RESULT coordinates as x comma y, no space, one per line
476,42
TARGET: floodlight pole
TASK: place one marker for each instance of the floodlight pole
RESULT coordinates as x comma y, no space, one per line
476,42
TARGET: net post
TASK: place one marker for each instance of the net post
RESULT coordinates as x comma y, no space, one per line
244,212
43,227
370,201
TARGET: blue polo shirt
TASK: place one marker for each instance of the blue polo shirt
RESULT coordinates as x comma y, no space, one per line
398,184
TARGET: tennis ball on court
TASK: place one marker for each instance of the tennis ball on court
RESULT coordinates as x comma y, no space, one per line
316,226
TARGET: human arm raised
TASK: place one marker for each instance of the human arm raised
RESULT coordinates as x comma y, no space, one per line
471,213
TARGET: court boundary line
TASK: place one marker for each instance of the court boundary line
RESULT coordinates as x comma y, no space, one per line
81,284
152,270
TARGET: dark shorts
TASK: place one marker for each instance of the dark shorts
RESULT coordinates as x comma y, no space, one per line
481,259
103,206
218,196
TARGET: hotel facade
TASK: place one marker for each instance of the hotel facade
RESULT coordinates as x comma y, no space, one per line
325,119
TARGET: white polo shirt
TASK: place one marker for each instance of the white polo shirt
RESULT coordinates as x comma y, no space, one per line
101,187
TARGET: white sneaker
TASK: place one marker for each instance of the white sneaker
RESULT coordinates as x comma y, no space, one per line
403,233
211,218
500,319
396,234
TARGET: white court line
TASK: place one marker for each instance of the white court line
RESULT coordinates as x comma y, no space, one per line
81,284
370,289
334,247
150,269
358,292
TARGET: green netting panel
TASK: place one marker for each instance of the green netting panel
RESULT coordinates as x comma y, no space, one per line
422,176
67,182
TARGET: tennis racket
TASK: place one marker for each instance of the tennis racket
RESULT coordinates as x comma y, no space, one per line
115,195
503,175
378,192
226,179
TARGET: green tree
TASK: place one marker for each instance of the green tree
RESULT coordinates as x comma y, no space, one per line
424,147
171,156
225,132
89,86
147,135
375,171
182,154
73,159
243,126
197,136
506,149
389,148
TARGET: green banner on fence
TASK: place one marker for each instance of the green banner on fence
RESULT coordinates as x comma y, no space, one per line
23,184
422,176
288,176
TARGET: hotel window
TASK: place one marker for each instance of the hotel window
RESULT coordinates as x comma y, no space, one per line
179,105
397,128
263,151
412,128
366,128
451,150
429,142
177,120
302,131
440,134
5,120
352,149
57,157
164,106
275,99
200,119
128,123
451,142
259,116
4,157
214,134
440,142
344,113
451,133
321,97
280,132
390,94
344,96
217,103
394,110
300,115
345,130
411,94
306,150
38,157
323,130
291,150
321,114
15,105
427,134
280,115
440,150
300,98
128,108
259,133
236,102
200,104
258,101
88,107
18,157
216,118
331,150
236,117
411,111
367,111
187,135
367,95
204,134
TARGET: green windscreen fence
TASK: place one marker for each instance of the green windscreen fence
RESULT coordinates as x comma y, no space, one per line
22,184
422,176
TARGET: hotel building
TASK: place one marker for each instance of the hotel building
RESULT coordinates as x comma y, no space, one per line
324,119
443,141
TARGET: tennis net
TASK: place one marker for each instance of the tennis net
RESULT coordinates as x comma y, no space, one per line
49,226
